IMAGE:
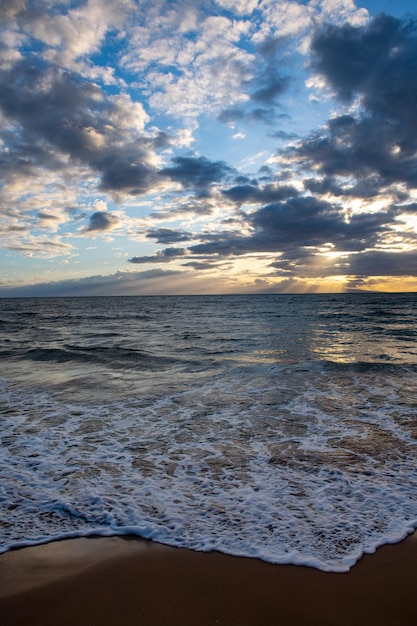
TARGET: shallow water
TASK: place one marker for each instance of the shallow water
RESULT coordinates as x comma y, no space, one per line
280,427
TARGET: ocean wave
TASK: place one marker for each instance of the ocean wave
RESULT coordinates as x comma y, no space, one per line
383,365
113,358
254,426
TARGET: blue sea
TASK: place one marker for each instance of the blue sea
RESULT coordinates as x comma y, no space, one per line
281,427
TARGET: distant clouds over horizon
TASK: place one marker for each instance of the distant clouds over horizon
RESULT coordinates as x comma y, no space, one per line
207,147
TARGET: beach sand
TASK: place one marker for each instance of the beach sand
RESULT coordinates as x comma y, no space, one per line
126,581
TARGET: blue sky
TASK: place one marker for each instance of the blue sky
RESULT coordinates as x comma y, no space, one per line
213,146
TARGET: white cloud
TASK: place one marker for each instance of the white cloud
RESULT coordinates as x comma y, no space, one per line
339,11
210,66
240,7
80,31
46,247
126,115
289,18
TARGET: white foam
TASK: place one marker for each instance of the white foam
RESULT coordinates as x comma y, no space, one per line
286,465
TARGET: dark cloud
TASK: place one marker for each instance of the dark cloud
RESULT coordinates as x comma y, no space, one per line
282,134
381,263
269,82
163,256
365,188
307,221
368,148
294,227
101,220
200,265
48,103
359,265
273,87
378,63
264,89
60,114
197,172
120,283
411,207
231,115
300,225
376,60
122,171
43,215
168,235
23,159
162,140
264,115
252,193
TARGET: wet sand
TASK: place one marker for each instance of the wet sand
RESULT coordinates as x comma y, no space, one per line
126,582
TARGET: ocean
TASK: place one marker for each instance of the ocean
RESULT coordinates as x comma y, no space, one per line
281,427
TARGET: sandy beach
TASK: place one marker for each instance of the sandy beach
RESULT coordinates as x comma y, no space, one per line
127,581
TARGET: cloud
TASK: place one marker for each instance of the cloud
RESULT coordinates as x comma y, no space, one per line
285,135
297,229
162,256
120,283
286,28
10,8
102,221
168,235
252,193
60,115
99,101
310,238
382,263
269,82
366,187
41,246
263,90
373,66
300,222
125,283
66,34
126,172
241,7
197,172
181,50
201,265
354,60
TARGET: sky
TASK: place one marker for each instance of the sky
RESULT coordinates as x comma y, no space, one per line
207,146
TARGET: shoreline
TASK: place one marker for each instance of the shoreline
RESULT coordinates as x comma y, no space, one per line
126,581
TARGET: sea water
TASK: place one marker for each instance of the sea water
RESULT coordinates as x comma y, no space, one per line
272,426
